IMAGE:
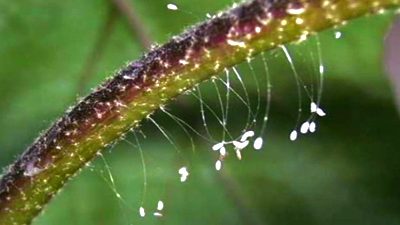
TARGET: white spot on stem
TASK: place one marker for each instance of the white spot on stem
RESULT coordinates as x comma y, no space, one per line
299,21
236,43
31,170
295,10
183,62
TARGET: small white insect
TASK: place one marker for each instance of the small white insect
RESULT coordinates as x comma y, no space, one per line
218,165
239,154
293,135
222,151
183,170
320,112
157,214
258,143
304,127
160,205
321,69
312,127
217,146
246,135
184,174
183,178
338,34
31,169
173,7
240,145
142,213
313,107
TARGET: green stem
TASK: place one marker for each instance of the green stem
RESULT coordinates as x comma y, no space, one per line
143,86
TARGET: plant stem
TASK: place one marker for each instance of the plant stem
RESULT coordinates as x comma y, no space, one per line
144,85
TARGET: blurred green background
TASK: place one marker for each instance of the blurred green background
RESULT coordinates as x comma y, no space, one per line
346,173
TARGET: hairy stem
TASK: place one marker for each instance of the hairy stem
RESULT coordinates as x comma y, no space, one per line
144,85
